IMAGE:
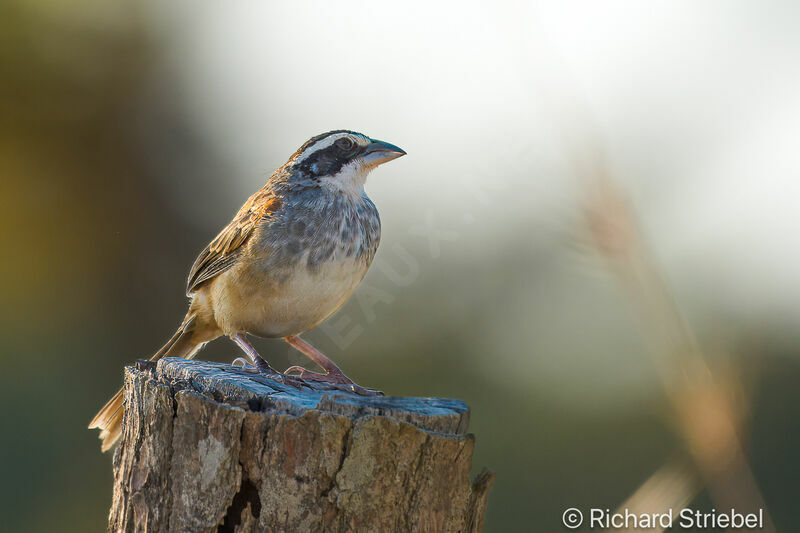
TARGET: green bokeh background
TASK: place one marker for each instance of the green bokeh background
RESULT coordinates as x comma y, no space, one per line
97,243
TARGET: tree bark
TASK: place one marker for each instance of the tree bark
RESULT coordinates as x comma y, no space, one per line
208,447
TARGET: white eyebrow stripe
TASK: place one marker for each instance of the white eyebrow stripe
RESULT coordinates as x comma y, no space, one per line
329,140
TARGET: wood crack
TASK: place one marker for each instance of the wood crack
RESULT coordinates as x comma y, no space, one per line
206,447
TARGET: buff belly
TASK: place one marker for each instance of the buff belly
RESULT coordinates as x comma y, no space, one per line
287,302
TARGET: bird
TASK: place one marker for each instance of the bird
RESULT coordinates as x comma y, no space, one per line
290,258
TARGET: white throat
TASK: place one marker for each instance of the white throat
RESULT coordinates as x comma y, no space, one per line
349,180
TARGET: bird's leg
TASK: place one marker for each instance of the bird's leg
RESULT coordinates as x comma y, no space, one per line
333,374
259,364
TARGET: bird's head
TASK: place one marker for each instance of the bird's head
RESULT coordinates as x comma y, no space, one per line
340,160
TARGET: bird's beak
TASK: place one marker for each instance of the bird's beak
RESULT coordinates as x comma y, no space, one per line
379,152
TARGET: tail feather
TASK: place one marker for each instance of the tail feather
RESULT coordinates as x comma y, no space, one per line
109,419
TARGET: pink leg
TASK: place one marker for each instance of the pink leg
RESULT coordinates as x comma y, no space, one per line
333,374
249,350
259,364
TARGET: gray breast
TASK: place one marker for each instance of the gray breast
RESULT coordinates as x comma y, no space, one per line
317,227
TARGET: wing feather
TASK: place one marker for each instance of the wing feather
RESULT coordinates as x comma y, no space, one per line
224,250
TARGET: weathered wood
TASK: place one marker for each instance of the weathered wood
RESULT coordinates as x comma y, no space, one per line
209,447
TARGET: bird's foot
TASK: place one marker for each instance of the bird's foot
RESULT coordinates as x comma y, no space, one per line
246,366
262,367
335,378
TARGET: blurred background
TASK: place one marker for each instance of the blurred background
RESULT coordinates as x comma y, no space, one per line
599,332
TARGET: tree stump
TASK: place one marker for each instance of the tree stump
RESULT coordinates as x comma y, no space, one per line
210,447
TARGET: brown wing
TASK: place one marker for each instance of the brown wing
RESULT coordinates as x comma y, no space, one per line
222,252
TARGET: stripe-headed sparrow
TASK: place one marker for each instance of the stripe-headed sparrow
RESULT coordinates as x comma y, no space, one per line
292,256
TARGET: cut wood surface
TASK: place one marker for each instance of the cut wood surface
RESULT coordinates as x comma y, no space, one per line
210,447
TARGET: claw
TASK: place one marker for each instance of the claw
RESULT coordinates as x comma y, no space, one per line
258,365
337,381
269,372
307,374
246,366
296,382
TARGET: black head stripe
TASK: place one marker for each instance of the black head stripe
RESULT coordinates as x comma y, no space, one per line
313,140
327,161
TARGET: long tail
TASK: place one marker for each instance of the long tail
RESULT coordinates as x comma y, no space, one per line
109,419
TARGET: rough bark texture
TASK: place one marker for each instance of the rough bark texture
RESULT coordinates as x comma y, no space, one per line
208,447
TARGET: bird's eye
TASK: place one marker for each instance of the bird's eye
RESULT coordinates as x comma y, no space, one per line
345,143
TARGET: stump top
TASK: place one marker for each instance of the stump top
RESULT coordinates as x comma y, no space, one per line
230,384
